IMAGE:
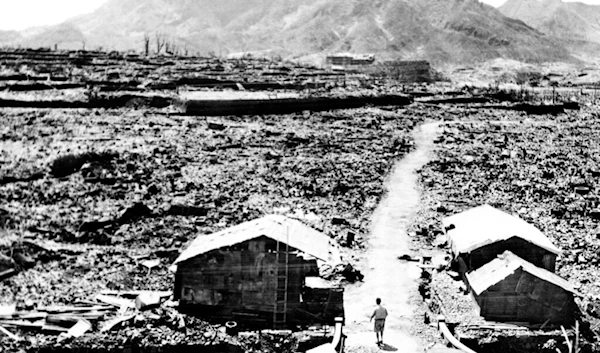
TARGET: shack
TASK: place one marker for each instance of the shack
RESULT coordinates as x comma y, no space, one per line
478,235
512,289
258,273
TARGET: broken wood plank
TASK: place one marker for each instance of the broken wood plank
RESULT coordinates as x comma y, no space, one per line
109,325
9,334
62,320
7,273
23,324
53,329
80,328
116,301
75,309
25,315
134,293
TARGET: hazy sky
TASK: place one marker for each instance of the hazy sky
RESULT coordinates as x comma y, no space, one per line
20,14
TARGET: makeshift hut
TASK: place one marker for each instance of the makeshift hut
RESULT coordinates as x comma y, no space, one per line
512,289
478,235
256,273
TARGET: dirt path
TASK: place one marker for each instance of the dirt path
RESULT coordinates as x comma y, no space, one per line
386,277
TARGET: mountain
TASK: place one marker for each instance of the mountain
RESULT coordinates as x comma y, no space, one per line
10,37
442,31
573,23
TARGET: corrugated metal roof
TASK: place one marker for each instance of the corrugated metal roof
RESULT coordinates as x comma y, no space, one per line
485,225
284,229
505,265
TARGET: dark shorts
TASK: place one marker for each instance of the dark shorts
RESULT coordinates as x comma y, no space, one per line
379,325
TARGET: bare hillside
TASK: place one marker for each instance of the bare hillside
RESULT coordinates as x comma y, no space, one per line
575,24
437,30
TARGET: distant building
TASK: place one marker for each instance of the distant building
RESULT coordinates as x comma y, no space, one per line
260,273
509,288
478,235
348,60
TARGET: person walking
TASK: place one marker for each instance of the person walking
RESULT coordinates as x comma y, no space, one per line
379,314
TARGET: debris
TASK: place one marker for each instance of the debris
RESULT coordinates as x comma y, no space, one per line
328,165
109,325
53,329
352,274
132,294
68,164
339,221
116,301
7,310
407,257
216,126
349,239
29,304
6,261
147,301
150,264
62,320
9,334
7,273
80,328
23,260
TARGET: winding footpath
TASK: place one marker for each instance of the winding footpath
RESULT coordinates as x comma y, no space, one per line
394,281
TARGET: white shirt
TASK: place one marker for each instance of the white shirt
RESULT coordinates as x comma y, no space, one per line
380,313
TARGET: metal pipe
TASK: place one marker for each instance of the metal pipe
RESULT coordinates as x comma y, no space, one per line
337,344
450,337
337,334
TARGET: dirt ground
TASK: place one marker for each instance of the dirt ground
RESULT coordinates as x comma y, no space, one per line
394,281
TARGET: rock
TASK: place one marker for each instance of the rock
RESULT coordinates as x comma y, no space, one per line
150,264
29,304
90,226
593,309
138,210
153,189
407,257
147,301
339,221
440,241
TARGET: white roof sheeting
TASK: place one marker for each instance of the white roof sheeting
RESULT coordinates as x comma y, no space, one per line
485,225
505,265
277,227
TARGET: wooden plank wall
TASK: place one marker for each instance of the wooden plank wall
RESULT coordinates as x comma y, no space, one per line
526,298
243,276
523,249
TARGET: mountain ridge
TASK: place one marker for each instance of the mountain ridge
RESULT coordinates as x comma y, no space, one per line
563,20
435,30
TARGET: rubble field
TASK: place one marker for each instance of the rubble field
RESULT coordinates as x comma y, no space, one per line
543,168
97,200
97,203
